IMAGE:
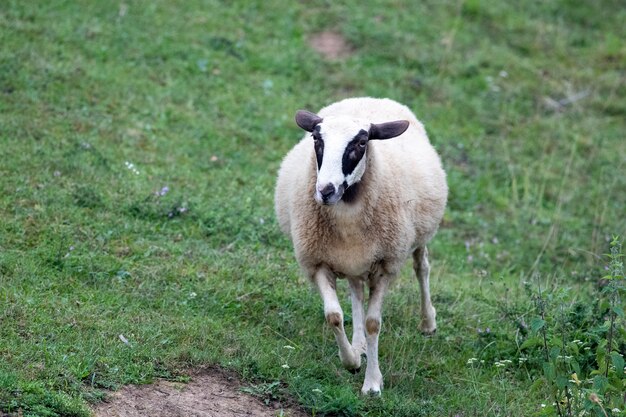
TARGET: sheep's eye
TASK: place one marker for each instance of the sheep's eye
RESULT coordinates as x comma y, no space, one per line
362,143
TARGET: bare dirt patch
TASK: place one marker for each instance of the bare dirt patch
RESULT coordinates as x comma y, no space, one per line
331,45
210,393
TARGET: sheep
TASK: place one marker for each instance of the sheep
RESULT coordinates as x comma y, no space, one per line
356,205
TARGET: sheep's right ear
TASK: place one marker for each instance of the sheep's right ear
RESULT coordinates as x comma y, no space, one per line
388,130
307,120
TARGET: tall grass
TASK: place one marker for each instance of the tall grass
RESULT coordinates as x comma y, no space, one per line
139,144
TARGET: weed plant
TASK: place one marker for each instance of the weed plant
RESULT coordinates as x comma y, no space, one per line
583,348
572,349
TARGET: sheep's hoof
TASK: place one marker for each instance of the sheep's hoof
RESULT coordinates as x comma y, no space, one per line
355,371
371,392
429,332
352,362
372,386
428,327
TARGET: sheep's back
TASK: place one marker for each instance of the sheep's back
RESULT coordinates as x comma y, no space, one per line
376,110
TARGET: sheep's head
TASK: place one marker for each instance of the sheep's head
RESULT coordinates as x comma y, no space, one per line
340,145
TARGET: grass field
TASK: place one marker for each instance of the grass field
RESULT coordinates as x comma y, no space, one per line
139,143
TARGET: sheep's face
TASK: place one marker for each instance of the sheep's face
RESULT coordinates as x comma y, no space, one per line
340,145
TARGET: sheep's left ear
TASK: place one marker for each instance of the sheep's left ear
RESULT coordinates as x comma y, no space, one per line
388,130
307,120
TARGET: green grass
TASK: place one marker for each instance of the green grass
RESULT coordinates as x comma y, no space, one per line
199,96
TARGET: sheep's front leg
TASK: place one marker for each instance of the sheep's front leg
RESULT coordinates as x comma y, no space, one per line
334,317
373,383
422,270
358,315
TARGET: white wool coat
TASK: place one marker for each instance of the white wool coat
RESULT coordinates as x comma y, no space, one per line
400,202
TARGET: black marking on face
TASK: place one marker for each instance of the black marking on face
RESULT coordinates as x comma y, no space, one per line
354,152
318,144
351,193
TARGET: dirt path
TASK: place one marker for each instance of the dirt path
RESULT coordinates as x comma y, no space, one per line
210,393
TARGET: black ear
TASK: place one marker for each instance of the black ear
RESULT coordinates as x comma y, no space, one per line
388,130
307,120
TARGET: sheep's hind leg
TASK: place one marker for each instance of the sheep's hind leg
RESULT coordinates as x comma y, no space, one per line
373,383
422,270
358,316
325,282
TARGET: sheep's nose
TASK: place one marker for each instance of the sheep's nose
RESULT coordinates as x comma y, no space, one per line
327,191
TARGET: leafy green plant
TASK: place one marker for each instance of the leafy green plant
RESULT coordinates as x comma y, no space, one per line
266,392
583,366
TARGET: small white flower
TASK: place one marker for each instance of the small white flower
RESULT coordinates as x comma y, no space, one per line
543,406
316,390
472,360
616,410
131,167
285,366
192,295
502,363
503,74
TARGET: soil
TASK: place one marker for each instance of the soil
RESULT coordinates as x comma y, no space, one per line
331,45
210,393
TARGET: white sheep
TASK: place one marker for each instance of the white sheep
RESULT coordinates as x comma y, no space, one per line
356,206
